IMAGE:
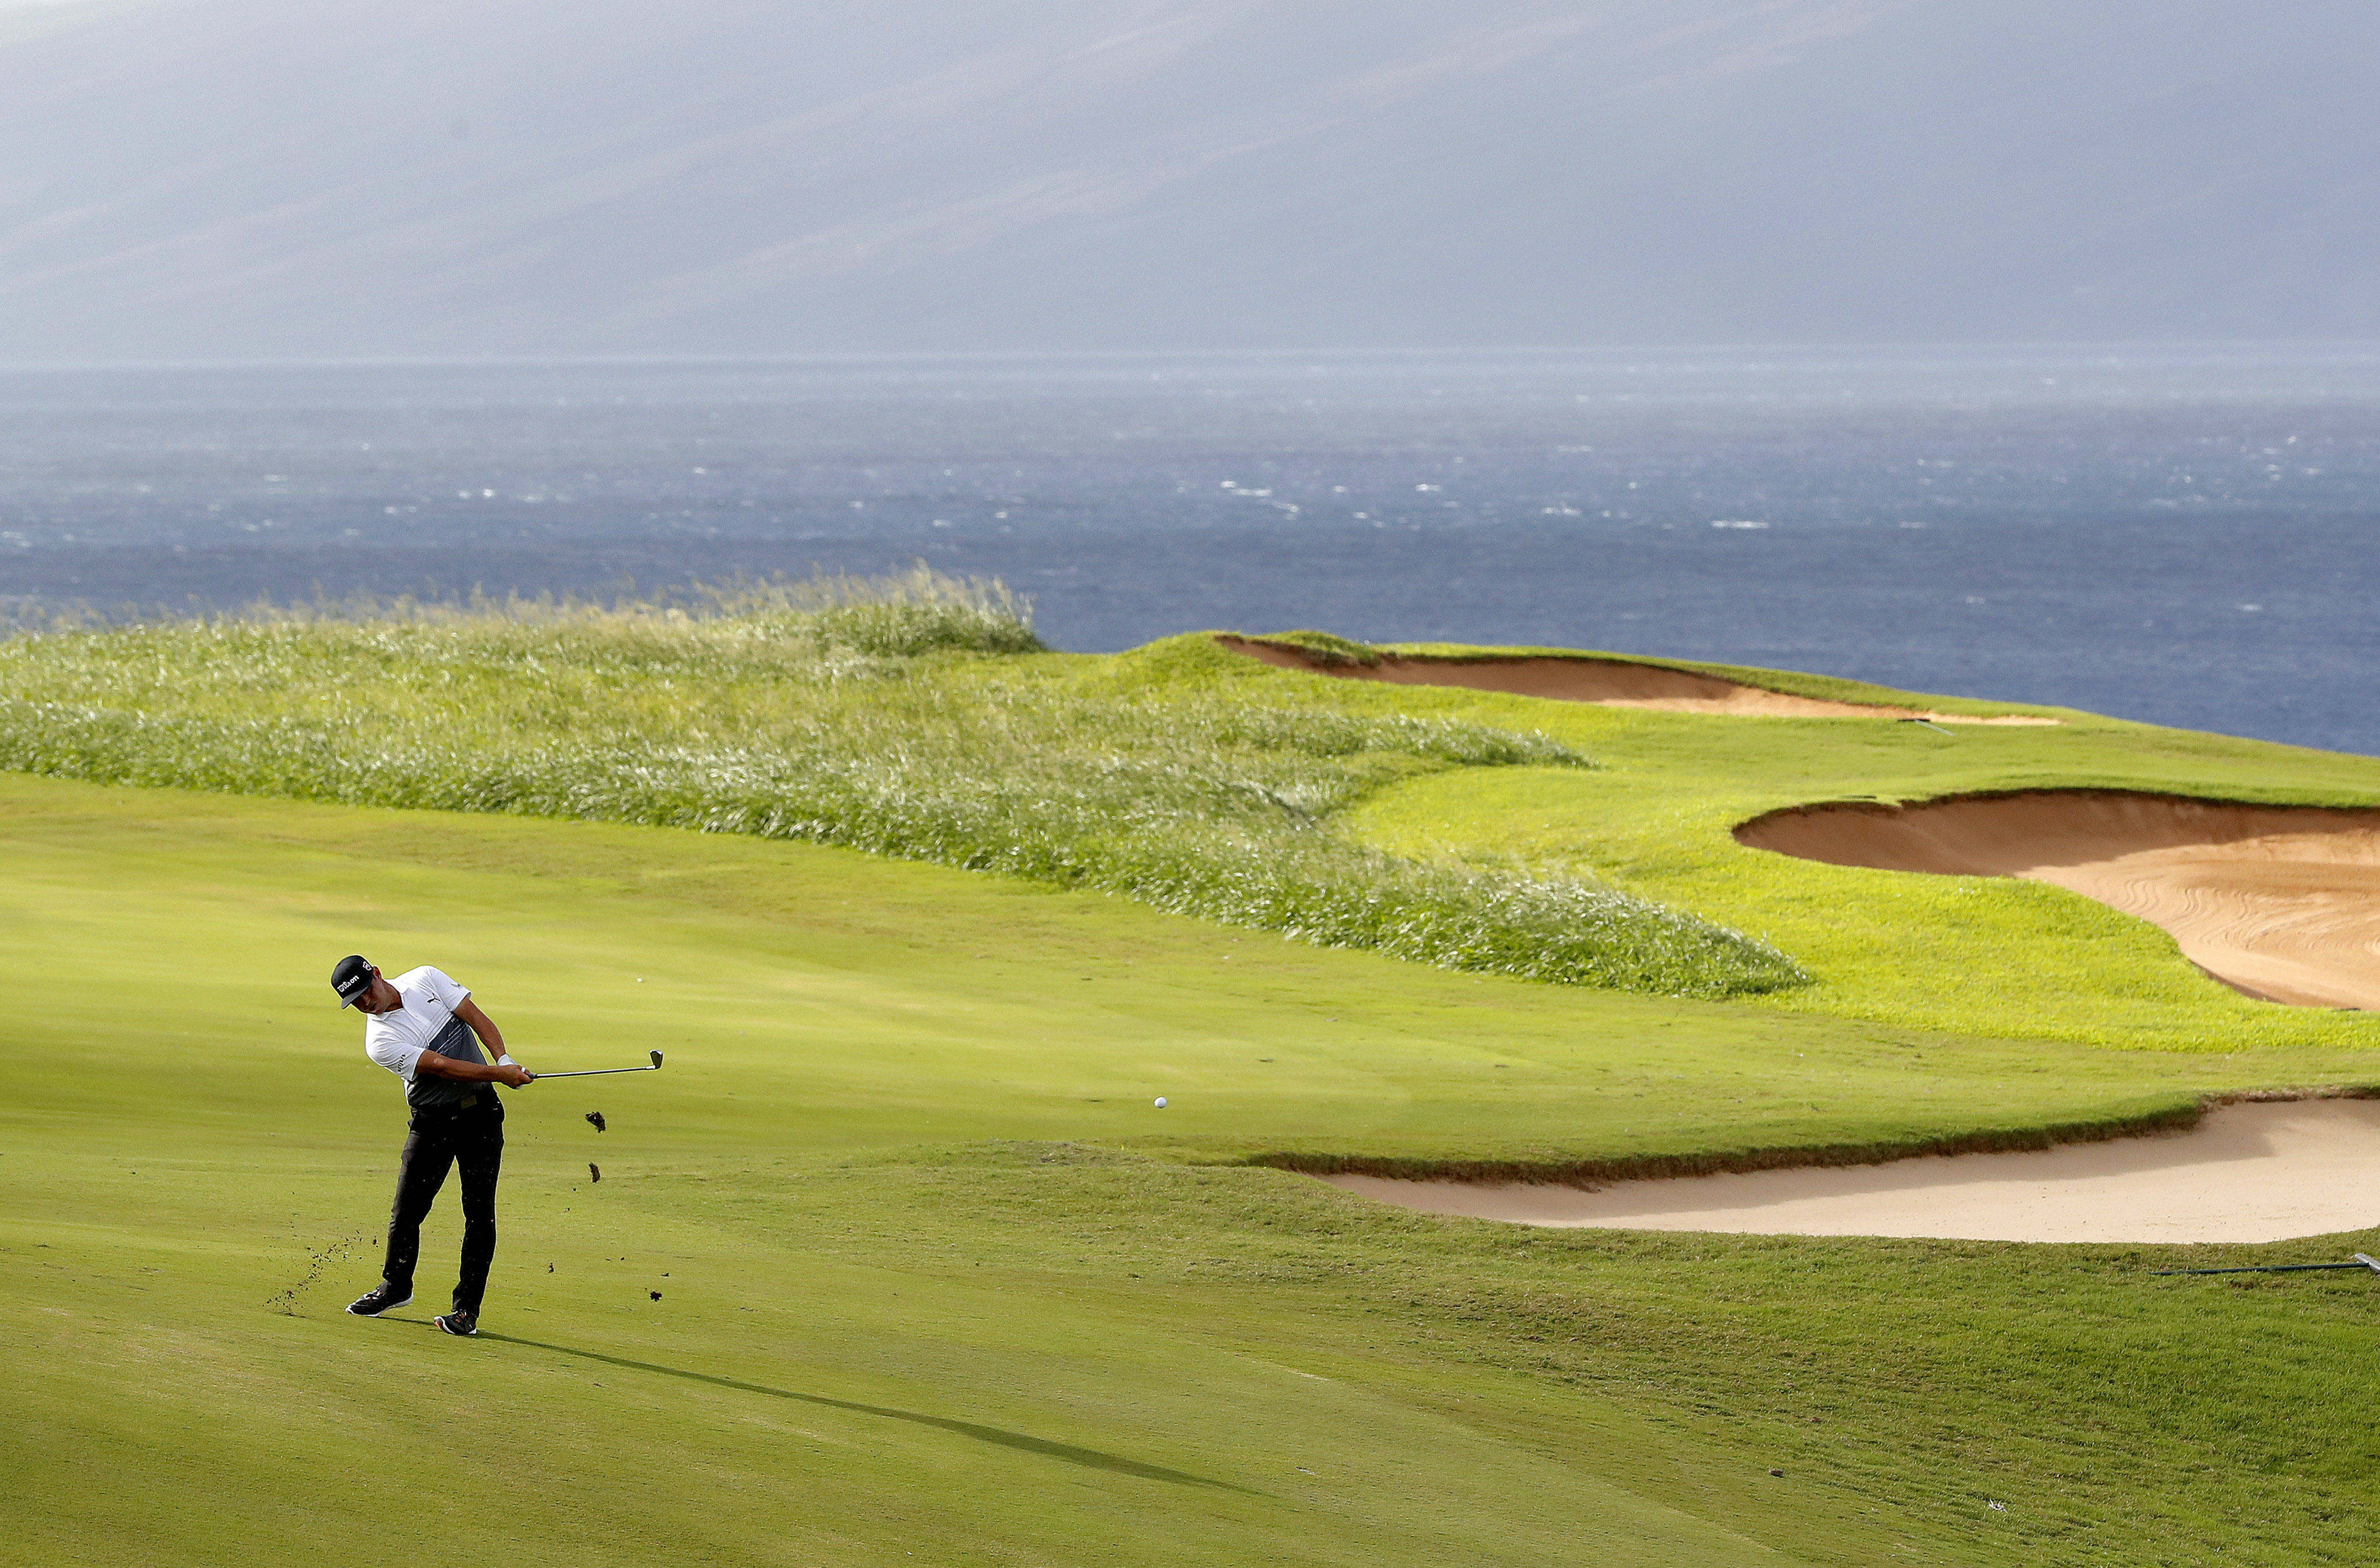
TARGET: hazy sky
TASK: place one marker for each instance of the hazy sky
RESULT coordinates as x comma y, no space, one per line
240,177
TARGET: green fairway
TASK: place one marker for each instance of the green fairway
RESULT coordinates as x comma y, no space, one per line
897,1261
938,1284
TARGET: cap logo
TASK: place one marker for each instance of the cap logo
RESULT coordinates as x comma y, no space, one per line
350,978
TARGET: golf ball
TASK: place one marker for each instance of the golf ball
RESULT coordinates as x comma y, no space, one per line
1160,1102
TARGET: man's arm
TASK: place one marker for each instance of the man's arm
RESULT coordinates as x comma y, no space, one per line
439,1066
481,1025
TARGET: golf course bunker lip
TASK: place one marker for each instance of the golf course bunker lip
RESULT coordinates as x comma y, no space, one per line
2281,902
1611,683
2251,1173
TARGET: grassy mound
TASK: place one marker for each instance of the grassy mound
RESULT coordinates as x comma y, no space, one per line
911,717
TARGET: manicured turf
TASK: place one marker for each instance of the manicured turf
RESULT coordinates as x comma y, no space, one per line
938,1286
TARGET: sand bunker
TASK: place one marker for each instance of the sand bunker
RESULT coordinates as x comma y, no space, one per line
1611,681
2244,1173
2281,902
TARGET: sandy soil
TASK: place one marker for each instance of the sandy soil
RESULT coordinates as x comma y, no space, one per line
2245,1173
2280,903
1611,681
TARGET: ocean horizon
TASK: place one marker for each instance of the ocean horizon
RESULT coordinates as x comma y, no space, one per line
2179,534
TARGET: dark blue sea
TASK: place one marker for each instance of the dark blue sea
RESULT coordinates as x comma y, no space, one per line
2180,535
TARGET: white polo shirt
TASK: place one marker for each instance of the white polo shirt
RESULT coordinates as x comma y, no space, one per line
396,1038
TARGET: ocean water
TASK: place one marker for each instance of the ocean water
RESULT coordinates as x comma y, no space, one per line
2182,535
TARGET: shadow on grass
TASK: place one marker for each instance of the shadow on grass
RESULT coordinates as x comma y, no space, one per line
1091,1458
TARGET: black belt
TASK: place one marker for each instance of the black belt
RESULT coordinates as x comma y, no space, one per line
457,1107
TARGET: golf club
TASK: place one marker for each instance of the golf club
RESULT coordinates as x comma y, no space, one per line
599,1072
2362,1260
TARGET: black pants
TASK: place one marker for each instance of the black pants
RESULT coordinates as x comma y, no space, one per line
474,1139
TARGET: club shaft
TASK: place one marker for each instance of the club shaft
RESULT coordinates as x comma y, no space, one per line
2265,1268
592,1073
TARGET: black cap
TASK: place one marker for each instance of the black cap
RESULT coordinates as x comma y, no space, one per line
351,977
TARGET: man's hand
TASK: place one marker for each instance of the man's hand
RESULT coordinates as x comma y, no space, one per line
513,1073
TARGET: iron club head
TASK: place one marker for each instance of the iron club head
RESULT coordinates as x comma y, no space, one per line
657,1060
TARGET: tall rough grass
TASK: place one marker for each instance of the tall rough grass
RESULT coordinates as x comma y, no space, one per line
912,716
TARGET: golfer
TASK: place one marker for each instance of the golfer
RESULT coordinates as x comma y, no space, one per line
421,1026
